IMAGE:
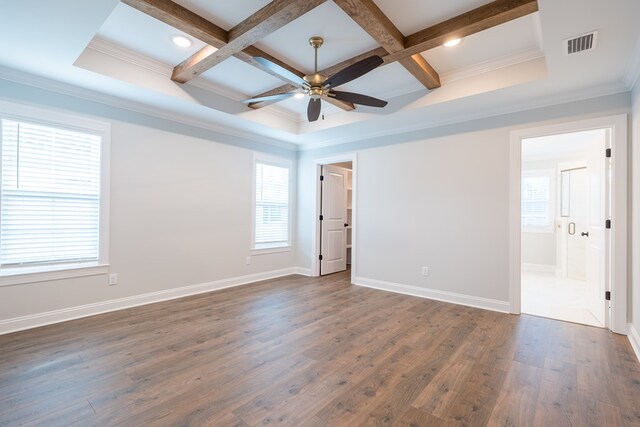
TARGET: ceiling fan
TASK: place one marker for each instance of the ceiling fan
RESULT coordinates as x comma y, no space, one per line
318,86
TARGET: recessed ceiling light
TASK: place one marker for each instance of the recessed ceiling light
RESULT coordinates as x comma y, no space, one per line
299,95
453,42
181,41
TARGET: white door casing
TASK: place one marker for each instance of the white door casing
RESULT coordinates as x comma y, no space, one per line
334,218
617,236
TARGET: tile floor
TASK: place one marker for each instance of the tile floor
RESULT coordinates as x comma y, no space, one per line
543,294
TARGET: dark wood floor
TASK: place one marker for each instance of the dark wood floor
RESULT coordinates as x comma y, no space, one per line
315,352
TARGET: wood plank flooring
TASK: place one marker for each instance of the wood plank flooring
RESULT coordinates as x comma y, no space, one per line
303,351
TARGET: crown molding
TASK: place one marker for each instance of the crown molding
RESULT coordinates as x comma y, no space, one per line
113,50
632,73
28,79
91,95
491,65
463,73
108,48
604,90
116,51
137,59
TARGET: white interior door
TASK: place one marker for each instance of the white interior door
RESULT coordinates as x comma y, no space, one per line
596,238
578,224
334,219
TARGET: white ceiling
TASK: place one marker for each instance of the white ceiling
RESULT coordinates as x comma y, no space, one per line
506,40
107,47
225,14
145,35
411,16
344,39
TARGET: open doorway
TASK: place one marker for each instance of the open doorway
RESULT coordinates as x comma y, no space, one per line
565,199
335,219
334,237
613,298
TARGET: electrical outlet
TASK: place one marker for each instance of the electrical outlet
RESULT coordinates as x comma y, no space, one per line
113,279
425,271
248,261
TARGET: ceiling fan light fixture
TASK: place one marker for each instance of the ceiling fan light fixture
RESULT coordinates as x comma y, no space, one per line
453,42
318,86
181,41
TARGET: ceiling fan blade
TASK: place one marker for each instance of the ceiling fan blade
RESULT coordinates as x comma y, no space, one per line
358,98
281,71
313,110
273,98
354,71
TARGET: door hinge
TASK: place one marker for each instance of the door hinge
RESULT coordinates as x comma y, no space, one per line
320,257
321,217
321,177
608,152
607,223
607,295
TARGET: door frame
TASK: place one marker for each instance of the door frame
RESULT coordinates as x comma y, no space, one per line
315,232
618,215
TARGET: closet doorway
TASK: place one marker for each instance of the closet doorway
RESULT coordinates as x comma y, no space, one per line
336,194
334,236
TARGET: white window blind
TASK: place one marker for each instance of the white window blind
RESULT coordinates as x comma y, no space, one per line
536,203
50,204
272,206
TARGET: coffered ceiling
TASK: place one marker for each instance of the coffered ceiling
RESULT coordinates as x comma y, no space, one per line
124,49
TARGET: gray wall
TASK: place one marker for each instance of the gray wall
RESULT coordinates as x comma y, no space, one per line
181,197
437,198
180,211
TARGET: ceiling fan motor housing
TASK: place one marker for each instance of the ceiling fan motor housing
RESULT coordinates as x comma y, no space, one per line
316,79
316,92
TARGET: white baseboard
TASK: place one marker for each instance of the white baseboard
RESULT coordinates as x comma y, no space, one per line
634,339
303,271
541,268
56,316
468,300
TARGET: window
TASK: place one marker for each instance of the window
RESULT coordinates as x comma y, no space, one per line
272,204
537,201
52,206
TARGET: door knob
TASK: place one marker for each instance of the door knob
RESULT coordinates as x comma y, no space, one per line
585,233
346,225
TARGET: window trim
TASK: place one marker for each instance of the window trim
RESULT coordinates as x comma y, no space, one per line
550,173
270,248
29,274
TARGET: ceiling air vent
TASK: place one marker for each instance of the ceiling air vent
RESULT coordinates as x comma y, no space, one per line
580,43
